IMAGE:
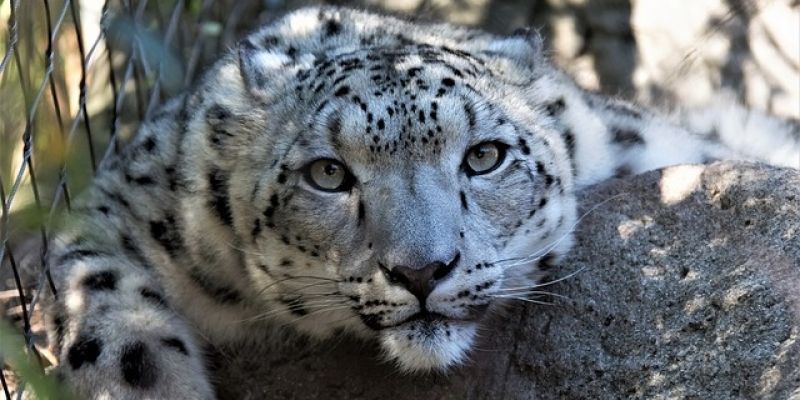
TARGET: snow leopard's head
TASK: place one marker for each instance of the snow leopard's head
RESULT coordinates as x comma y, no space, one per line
391,180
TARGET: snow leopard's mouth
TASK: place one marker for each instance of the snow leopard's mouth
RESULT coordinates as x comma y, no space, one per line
429,318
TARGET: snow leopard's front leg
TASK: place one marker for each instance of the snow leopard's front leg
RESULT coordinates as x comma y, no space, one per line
114,330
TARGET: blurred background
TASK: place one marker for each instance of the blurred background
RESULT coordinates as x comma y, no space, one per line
76,77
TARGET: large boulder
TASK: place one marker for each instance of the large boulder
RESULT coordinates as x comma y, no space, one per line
689,288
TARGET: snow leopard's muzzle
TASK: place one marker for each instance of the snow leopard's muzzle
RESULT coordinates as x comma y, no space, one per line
430,274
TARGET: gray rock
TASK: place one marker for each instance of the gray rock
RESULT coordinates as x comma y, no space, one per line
690,288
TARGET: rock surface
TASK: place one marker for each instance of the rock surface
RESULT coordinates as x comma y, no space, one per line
691,289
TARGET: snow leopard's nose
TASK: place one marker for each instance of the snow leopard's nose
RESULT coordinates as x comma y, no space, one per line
421,281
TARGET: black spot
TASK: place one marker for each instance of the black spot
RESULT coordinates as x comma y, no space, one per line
218,186
85,350
104,209
138,368
281,178
118,198
149,144
153,296
78,254
449,82
332,27
296,307
165,232
626,137
470,114
173,178
464,204
103,280
381,124
286,262
372,321
342,91
139,180
270,41
256,228
556,107
222,294
524,146
270,210
361,211
217,118
175,343
569,141
543,202
547,262
540,169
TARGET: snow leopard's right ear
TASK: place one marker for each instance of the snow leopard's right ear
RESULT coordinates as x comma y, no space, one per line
268,67
524,46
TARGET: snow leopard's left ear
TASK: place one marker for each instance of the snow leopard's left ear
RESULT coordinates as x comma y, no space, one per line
524,47
267,66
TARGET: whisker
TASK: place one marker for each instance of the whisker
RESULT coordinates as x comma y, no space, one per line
252,253
289,309
298,289
527,300
355,315
541,285
535,293
315,312
563,278
549,247
289,278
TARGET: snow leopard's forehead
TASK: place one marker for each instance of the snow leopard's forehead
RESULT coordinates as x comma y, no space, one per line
396,105
364,88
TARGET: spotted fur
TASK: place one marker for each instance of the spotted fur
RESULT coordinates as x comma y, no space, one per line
205,225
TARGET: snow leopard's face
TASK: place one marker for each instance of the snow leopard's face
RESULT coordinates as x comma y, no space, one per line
400,191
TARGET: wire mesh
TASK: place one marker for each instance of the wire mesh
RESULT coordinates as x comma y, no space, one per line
76,78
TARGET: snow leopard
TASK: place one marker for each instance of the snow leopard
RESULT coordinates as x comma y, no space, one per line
340,171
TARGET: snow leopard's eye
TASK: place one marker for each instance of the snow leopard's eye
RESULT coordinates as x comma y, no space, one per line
328,175
484,158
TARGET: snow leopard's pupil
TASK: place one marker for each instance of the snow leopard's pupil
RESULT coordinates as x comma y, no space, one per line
327,175
484,158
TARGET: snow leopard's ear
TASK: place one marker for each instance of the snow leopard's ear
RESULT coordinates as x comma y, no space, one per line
524,46
267,67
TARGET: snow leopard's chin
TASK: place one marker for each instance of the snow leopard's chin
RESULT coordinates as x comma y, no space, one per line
422,345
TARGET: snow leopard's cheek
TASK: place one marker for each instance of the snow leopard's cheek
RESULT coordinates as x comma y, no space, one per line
321,226
501,204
